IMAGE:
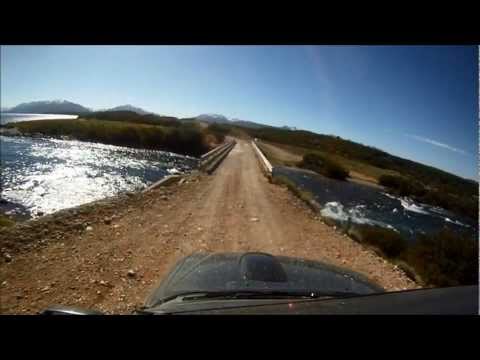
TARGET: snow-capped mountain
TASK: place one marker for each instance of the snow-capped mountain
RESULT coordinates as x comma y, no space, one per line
49,107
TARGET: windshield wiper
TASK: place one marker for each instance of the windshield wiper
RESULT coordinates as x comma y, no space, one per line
262,294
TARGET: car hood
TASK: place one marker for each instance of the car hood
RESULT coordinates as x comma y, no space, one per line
220,272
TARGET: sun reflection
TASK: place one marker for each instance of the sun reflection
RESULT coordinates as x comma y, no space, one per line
49,175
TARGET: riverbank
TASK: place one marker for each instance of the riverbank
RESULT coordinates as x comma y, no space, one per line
185,139
116,253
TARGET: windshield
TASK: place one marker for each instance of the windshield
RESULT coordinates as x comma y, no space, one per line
135,174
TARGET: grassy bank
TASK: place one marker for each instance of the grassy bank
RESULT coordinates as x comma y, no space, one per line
441,259
183,139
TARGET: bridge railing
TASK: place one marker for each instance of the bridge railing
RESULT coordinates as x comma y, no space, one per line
267,167
209,164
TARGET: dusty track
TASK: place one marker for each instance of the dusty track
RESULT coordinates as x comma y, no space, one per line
235,209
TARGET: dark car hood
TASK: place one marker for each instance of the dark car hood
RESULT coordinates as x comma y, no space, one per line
208,272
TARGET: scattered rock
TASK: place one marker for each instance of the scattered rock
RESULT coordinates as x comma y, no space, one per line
7,257
107,221
89,228
4,283
19,296
254,219
103,283
164,197
46,288
131,273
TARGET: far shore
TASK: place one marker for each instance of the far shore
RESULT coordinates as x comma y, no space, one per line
184,139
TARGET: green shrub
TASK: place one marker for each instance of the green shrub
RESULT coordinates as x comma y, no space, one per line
184,139
445,259
389,242
219,131
323,166
133,117
402,186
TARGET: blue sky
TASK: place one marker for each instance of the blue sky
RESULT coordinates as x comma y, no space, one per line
416,102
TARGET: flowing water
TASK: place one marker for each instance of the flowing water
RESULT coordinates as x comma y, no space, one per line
40,176
14,117
347,202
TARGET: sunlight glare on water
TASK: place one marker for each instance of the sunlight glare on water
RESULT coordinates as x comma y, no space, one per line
47,175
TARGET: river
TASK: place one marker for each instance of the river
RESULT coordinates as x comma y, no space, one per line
15,117
41,176
348,202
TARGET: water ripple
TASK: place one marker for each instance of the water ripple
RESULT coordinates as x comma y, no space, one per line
45,175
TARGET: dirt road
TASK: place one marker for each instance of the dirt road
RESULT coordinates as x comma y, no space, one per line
113,265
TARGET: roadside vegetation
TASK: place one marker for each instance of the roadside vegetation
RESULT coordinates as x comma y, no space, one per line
124,129
441,259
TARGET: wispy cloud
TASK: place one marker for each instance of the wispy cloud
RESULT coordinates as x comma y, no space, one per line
437,143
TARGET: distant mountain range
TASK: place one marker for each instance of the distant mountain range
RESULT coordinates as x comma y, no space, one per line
67,107
220,119
49,107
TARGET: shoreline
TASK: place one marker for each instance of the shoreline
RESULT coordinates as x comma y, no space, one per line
69,220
